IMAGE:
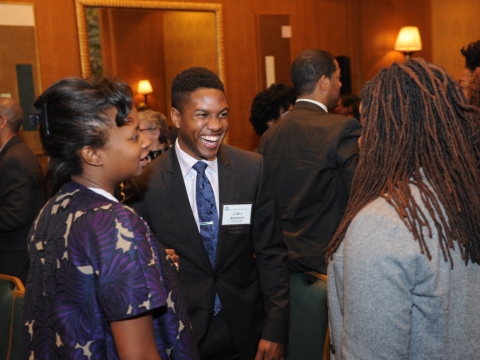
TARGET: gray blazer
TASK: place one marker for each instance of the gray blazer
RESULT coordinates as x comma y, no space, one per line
387,300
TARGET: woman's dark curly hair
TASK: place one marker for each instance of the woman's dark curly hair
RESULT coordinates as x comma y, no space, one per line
472,55
76,116
267,105
474,89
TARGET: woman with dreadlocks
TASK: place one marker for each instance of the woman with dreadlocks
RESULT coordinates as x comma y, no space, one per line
404,274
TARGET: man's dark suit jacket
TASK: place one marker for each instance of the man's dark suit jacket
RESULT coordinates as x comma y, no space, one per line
254,296
22,195
311,155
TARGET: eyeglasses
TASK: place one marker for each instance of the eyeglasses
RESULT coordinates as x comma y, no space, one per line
148,129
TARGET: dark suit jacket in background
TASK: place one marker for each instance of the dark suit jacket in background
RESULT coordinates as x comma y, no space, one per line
311,156
254,297
22,195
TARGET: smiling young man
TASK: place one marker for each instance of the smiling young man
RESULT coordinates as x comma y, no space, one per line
223,224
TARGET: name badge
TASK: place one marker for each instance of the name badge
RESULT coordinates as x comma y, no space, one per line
236,218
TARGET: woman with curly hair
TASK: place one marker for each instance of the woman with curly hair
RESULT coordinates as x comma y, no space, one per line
404,274
473,89
471,53
270,105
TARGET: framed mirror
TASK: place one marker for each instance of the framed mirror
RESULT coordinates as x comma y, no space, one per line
149,40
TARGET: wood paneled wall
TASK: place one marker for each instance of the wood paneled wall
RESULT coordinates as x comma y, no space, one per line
186,46
133,57
156,45
380,24
364,30
455,24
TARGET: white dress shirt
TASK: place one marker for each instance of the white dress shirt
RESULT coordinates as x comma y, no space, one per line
104,193
190,178
314,102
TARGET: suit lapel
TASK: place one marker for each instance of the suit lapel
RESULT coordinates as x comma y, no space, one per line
175,185
14,140
227,194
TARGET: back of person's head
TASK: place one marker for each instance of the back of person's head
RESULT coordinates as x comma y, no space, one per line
472,55
155,119
349,99
473,89
74,113
417,128
308,67
350,104
268,104
190,80
11,110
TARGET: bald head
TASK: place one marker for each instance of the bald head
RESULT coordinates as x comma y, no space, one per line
11,110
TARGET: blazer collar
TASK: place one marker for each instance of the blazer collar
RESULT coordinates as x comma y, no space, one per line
173,165
309,106
14,140
222,156
175,185
226,186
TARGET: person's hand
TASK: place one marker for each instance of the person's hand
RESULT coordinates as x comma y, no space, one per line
269,350
174,257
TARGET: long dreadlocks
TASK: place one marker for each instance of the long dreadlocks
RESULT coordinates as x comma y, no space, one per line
418,129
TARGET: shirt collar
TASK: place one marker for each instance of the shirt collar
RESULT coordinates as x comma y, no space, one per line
186,161
104,193
314,102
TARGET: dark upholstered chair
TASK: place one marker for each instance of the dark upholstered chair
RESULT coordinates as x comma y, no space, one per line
11,302
308,317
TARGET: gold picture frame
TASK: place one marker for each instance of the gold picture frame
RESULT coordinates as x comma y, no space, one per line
145,5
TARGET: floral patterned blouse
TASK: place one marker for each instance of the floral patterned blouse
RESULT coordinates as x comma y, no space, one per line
92,261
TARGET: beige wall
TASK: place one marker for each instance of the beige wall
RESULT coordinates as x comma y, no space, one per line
455,24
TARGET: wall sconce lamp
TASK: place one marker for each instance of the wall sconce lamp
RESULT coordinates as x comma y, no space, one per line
145,88
408,41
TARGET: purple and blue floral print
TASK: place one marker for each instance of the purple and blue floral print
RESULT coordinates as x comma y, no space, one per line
92,261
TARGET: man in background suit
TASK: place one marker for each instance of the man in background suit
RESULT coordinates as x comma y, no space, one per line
238,303
22,191
311,155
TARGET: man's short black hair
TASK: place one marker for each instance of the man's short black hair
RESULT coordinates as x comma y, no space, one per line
191,80
308,67
472,55
267,104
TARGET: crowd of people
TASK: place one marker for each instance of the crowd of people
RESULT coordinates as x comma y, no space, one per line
142,247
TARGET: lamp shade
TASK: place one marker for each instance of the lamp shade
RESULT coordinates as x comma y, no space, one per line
144,87
408,39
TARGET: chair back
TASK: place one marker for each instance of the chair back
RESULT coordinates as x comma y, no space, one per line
12,293
308,318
